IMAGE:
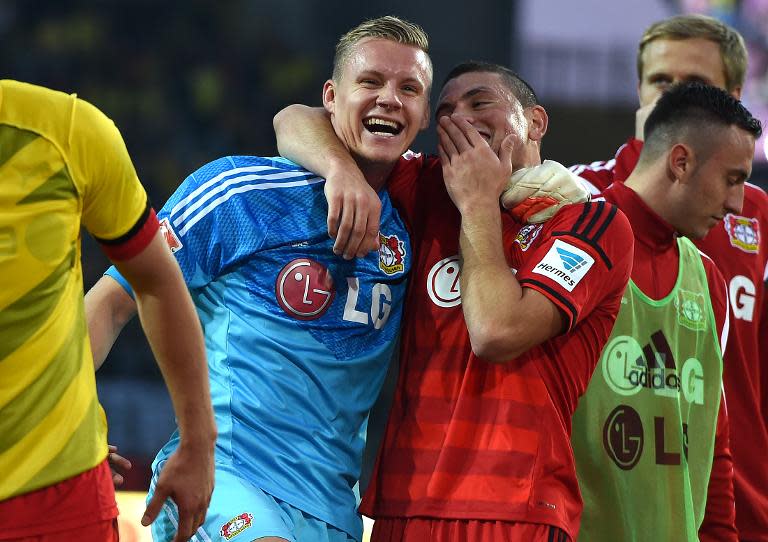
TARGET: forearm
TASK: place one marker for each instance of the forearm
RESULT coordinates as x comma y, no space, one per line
107,309
306,136
490,292
173,330
720,517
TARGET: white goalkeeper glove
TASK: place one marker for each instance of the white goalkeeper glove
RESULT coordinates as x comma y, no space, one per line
535,194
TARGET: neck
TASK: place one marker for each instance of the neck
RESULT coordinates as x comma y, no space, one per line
375,173
654,188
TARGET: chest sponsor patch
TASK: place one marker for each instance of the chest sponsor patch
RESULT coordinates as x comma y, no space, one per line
304,289
743,232
565,264
391,254
443,282
174,243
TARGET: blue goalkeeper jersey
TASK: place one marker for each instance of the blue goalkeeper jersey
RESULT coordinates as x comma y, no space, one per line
298,340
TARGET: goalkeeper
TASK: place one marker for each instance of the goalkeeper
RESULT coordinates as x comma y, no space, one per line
476,450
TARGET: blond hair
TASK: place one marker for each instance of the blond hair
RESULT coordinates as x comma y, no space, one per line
732,48
388,28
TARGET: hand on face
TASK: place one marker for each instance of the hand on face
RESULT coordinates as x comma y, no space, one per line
641,115
474,175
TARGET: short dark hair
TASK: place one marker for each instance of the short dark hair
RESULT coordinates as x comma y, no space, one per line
519,86
689,110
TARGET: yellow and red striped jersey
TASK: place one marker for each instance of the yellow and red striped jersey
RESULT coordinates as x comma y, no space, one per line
63,165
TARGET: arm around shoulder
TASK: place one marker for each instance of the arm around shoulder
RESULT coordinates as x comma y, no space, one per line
108,307
305,135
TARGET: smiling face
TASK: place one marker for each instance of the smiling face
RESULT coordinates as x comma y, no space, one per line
380,101
668,61
715,186
486,102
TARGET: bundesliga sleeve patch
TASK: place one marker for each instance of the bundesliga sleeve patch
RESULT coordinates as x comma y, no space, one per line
565,264
174,243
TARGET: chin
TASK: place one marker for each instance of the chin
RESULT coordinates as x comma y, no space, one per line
388,157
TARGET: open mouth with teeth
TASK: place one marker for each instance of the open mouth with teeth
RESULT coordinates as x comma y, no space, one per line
382,127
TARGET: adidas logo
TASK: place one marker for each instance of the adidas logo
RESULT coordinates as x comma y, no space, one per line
572,262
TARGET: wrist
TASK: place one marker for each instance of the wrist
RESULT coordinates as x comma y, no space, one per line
199,432
478,204
338,162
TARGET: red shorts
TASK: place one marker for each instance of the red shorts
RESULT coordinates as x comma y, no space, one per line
81,508
460,530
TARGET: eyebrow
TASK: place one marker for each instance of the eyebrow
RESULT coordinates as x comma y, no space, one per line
378,73
468,94
477,90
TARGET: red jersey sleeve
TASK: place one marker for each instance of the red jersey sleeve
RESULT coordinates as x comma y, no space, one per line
583,256
718,295
720,515
600,175
719,523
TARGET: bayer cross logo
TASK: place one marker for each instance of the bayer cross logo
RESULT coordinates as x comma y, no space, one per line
572,262
304,289
623,436
690,309
743,232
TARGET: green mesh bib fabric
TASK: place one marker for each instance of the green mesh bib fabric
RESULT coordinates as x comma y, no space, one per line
644,433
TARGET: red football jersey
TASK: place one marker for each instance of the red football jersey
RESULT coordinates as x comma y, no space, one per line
470,439
739,248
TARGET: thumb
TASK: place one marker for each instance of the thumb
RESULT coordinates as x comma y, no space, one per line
508,145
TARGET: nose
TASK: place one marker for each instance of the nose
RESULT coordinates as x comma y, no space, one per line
464,112
735,200
388,97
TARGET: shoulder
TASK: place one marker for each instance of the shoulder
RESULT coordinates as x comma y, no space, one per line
756,197
597,224
241,174
239,180
718,290
715,278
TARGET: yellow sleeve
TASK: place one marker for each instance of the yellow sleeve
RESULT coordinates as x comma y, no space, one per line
114,201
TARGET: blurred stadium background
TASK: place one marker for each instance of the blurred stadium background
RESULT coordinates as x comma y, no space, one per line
187,82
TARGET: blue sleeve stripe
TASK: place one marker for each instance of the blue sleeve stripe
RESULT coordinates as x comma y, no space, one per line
115,274
201,213
205,188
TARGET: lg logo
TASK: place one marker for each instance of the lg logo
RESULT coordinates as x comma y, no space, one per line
742,295
443,282
305,289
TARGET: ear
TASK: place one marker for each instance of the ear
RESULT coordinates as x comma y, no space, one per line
680,162
736,93
425,121
538,120
329,96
